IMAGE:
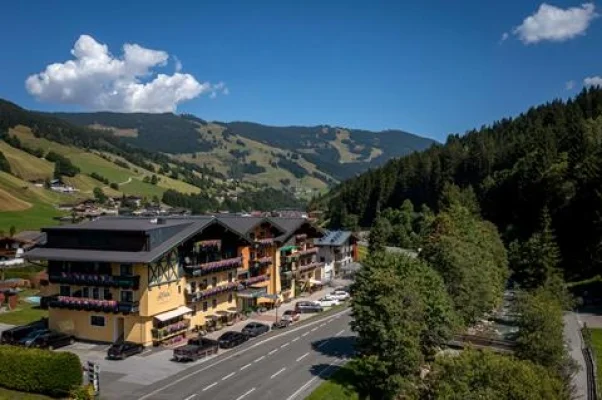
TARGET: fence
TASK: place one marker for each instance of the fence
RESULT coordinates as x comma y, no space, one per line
589,355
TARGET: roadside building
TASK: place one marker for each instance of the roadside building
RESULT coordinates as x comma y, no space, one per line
337,249
151,280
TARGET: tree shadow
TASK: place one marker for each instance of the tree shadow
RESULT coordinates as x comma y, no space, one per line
340,346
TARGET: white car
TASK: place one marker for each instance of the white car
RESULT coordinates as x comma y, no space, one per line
340,295
328,301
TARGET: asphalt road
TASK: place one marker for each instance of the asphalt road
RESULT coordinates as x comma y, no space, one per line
282,365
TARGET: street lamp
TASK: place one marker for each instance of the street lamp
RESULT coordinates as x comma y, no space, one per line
274,297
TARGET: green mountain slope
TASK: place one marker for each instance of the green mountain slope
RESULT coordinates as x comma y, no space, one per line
325,154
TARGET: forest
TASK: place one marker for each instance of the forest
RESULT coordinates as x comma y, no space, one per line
547,160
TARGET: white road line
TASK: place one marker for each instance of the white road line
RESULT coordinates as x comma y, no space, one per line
245,394
277,373
210,386
284,345
302,357
340,333
228,376
321,325
295,339
305,334
245,366
321,374
259,359
314,329
272,352
234,354
192,396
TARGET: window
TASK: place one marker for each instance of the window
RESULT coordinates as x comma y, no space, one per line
127,296
205,283
179,289
95,293
230,298
214,303
86,292
193,286
322,259
230,277
214,281
97,320
65,290
106,294
204,306
126,270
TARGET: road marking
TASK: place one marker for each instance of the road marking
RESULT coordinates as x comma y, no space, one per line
321,374
305,334
210,386
245,394
192,396
228,376
284,345
340,333
230,356
321,325
277,373
295,339
245,366
314,329
259,359
272,352
302,357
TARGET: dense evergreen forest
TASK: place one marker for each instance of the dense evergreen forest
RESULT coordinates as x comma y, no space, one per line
547,160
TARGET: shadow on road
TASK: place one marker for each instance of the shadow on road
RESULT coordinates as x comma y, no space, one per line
342,346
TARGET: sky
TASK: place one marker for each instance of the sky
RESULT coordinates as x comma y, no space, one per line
430,68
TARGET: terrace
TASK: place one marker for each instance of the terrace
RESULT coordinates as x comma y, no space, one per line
213,266
203,294
118,281
88,304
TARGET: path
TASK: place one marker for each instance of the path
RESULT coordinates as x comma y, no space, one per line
572,336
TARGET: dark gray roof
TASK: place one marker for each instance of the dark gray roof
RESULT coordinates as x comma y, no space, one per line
333,238
124,224
191,227
238,224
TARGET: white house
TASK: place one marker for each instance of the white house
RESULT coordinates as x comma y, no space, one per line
336,249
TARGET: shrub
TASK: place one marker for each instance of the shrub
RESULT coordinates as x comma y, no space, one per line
39,371
82,393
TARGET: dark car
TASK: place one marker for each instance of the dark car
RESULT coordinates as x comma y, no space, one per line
308,307
14,335
49,340
122,350
283,323
231,339
255,329
28,339
196,349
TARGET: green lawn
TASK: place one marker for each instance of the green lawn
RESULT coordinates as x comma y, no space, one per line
25,312
596,337
339,386
89,162
6,394
137,187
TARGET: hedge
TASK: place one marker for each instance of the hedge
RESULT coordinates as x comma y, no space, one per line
39,371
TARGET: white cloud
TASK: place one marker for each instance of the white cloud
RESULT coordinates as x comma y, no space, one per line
555,24
504,37
593,81
96,79
226,91
569,85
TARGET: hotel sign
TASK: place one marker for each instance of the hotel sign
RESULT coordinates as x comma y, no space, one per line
164,296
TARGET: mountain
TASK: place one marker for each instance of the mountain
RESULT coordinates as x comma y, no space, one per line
292,155
548,158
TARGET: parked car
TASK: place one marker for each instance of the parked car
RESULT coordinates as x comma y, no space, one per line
328,301
13,335
50,340
340,295
195,349
281,324
122,350
231,339
255,329
291,315
308,307
28,339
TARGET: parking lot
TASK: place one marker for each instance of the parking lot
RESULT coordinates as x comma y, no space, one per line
155,364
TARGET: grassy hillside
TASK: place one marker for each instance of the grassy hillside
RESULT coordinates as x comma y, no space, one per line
283,155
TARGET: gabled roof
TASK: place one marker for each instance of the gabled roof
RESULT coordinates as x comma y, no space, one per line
333,238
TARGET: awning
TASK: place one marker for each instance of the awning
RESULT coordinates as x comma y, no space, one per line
315,282
178,312
263,300
287,248
251,293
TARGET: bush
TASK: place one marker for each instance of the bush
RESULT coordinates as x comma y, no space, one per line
82,393
39,371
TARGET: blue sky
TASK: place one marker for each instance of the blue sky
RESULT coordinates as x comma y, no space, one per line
431,68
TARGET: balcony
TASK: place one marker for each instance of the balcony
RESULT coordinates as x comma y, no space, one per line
214,266
201,295
255,280
300,237
124,282
263,260
264,242
308,251
310,266
170,330
209,245
87,304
